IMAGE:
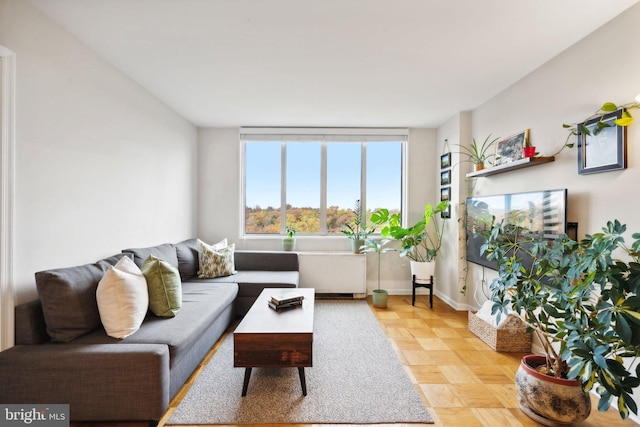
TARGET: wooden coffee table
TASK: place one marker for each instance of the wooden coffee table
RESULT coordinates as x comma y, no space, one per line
267,338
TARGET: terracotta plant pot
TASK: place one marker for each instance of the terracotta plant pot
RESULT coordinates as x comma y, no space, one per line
529,151
549,400
478,167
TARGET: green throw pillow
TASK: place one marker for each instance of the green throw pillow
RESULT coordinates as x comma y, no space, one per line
165,287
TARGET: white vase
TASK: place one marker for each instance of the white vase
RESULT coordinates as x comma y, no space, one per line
423,270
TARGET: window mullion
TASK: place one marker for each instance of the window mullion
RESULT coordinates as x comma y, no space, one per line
283,188
363,183
323,188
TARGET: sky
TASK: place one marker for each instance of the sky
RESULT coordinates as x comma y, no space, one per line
383,178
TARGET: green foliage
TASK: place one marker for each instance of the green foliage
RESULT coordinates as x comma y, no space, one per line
419,242
355,230
600,123
478,154
578,296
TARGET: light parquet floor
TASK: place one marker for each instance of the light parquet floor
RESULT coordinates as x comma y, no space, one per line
462,381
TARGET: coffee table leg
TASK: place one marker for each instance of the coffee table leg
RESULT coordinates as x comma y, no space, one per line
303,381
245,385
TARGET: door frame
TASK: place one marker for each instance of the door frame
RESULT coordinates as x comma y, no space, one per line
7,194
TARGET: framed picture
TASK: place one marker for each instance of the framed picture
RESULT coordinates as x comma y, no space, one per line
445,193
446,213
602,148
511,148
445,177
445,161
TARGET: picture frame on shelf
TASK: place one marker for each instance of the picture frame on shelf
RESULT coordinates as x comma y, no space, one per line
511,148
445,161
602,148
445,193
445,177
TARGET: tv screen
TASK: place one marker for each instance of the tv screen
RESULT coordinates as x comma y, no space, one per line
541,214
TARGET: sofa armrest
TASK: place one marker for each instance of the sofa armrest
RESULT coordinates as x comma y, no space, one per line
99,382
30,327
266,261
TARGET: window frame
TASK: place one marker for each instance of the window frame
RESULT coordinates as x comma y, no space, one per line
325,136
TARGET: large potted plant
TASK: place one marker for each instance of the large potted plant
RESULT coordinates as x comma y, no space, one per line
420,242
583,305
478,154
356,231
379,296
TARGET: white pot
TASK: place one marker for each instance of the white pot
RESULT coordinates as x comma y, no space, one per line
423,270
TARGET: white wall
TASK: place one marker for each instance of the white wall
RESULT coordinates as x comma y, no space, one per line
220,207
101,165
602,67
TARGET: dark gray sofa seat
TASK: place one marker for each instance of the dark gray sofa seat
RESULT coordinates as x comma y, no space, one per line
206,312
256,270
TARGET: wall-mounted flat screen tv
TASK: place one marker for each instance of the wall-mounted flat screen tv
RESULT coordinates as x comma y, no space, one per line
541,214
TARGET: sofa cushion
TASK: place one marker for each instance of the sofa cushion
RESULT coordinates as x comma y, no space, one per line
215,262
164,285
187,253
123,299
251,283
68,297
201,306
165,251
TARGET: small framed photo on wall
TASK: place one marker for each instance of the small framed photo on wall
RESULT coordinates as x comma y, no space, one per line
445,177
445,161
445,193
446,213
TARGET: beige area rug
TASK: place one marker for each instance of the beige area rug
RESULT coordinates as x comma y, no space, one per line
356,378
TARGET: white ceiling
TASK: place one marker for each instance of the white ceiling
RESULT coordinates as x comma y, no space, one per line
356,63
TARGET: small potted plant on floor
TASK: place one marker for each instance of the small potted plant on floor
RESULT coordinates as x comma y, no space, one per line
356,231
289,241
478,154
420,242
583,306
379,296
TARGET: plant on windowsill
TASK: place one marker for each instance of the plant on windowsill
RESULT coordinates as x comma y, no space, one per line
355,231
601,123
289,241
379,296
478,154
583,306
420,242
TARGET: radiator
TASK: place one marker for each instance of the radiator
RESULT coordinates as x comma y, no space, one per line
334,273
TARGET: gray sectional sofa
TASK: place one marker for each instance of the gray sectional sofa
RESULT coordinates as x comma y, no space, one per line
63,355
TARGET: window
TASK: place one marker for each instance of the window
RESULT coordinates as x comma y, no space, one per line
313,179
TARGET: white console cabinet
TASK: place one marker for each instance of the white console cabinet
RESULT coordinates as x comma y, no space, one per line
334,272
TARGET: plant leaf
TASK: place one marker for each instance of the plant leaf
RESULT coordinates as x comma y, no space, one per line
609,107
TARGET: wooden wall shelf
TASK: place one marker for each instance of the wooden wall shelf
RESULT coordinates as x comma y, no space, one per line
518,164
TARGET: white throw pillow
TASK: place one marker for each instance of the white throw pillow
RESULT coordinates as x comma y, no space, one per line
123,299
